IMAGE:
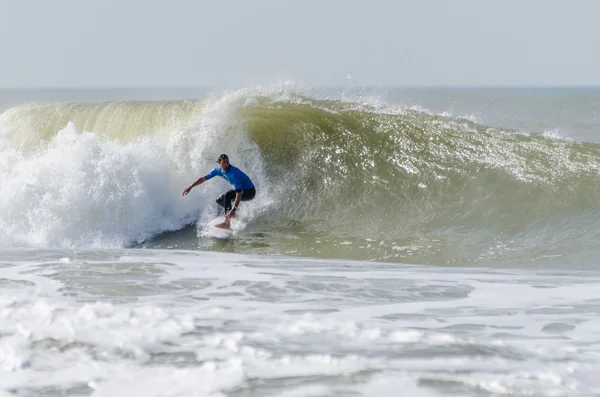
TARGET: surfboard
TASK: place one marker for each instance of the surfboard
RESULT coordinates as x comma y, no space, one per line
217,232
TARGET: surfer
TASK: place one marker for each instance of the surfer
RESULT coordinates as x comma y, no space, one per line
243,188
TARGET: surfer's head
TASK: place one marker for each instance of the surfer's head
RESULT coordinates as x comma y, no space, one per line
223,161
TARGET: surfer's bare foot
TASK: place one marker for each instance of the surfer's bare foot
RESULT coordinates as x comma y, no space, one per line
223,225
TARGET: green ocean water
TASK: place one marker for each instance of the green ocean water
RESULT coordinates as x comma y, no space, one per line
358,178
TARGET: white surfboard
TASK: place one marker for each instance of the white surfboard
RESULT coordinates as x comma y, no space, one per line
218,232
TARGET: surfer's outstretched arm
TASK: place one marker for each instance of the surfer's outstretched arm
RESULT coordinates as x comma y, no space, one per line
200,181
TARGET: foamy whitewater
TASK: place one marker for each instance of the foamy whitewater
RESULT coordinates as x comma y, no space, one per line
423,242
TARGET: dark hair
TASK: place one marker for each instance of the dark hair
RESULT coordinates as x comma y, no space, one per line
222,157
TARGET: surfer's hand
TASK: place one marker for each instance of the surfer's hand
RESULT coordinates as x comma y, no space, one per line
186,191
229,214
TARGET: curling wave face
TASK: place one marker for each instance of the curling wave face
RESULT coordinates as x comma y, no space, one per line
336,178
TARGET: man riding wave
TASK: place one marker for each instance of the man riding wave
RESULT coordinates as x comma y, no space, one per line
243,188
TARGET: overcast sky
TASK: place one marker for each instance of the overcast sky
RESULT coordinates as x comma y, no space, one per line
227,43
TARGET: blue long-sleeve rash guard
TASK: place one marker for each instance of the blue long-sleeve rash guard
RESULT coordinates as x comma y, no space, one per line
233,175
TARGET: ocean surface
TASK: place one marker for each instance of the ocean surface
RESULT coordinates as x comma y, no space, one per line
403,241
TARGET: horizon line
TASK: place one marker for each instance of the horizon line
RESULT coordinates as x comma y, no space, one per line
329,86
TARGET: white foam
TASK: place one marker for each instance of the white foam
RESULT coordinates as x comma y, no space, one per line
217,324
393,385
307,391
214,324
81,189
211,380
